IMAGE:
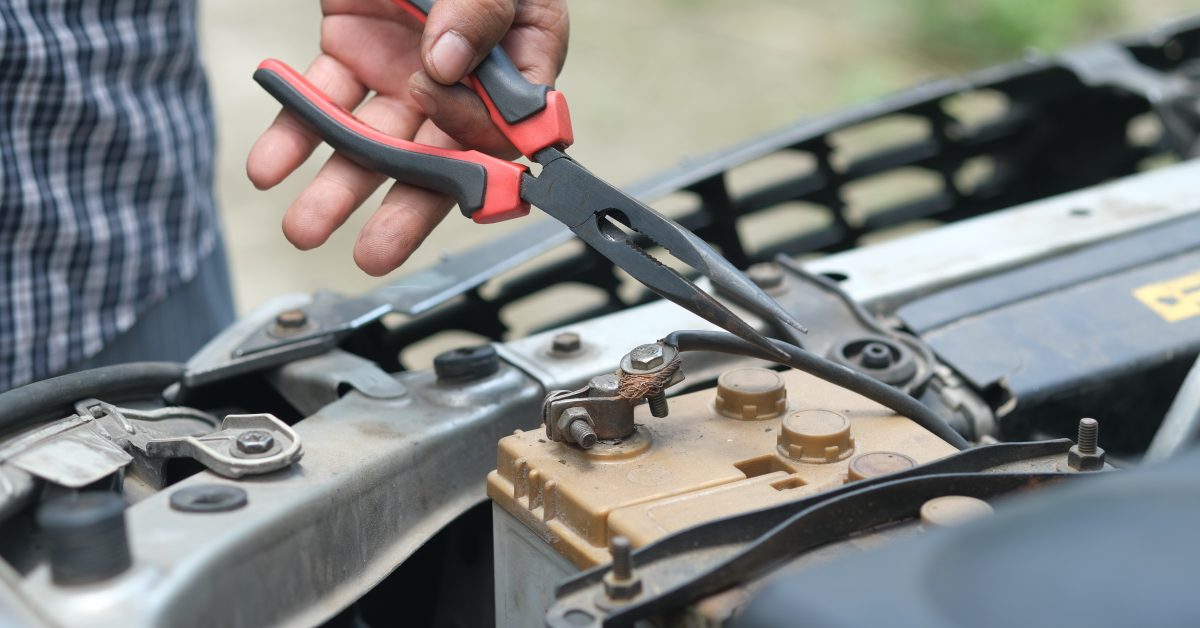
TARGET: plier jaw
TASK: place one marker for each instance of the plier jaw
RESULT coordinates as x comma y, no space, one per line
618,226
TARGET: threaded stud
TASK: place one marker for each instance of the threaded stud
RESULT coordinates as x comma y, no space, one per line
658,404
582,433
1089,430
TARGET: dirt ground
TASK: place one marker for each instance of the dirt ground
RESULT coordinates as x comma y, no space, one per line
650,82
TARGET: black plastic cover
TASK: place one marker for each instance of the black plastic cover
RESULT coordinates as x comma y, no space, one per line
1113,551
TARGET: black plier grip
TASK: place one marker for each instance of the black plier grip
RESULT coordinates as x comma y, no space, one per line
487,189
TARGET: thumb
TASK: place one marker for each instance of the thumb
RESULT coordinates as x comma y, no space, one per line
459,34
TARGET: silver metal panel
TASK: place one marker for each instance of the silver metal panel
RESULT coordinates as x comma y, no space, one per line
883,275
74,458
377,480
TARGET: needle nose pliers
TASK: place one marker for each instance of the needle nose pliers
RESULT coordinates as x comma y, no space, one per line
489,189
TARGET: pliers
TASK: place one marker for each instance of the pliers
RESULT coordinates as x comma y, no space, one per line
489,189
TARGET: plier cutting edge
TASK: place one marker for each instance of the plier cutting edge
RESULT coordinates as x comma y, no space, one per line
489,189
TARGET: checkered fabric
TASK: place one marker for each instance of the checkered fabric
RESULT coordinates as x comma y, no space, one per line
106,150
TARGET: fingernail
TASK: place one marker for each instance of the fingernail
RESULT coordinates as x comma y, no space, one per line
450,57
423,98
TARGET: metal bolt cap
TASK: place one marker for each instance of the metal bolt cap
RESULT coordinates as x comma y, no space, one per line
291,319
566,342
646,357
255,442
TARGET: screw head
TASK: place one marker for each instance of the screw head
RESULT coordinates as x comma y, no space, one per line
566,342
255,442
292,319
646,357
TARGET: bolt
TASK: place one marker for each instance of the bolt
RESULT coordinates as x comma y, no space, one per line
876,355
255,442
1088,433
620,583
566,342
622,562
291,319
575,426
1086,455
658,404
766,275
582,433
646,357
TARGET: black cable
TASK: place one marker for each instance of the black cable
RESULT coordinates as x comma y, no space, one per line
827,370
53,398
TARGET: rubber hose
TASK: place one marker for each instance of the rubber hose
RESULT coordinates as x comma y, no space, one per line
827,370
54,397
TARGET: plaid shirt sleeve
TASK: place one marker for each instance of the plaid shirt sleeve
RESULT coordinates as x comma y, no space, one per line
106,151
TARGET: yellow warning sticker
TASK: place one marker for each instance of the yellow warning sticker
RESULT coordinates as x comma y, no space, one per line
1174,299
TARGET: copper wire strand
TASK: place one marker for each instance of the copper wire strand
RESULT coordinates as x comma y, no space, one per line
642,385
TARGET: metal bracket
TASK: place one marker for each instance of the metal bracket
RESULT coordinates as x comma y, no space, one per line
313,383
218,451
611,415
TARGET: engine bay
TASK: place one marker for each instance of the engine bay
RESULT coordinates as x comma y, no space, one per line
995,401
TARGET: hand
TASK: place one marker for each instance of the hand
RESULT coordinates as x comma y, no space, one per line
374,46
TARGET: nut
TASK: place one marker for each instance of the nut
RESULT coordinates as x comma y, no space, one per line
255,442
621,583
291,319
1080,461
646,357
607,385
565,343
1086,455
575,426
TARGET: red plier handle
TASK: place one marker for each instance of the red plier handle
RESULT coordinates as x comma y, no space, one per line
531,116
487,189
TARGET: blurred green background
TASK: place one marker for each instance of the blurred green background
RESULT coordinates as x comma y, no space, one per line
650,82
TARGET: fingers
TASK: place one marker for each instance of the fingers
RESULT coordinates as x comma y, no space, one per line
341,185
287,142
460,114
537,44
460,33
538,40
404,219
